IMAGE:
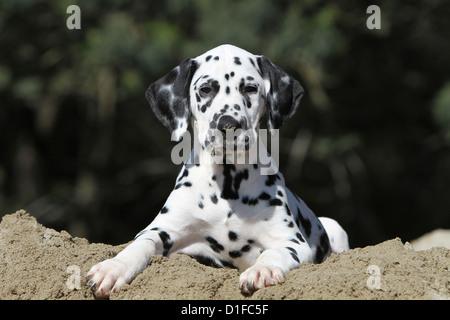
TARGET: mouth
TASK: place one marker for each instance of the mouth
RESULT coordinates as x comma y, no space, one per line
229,141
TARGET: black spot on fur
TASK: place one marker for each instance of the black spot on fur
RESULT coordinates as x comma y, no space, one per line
294,254
264,196
167,243
237,61
292,250
217,247
207,261
214,198
288,211
304,223
235,254
232,182
250,201
228,264
323,249
295,257
299,237
238,253
186,184
232,236
215,86
208,58
275,202
216,58
270,180
200,205
164,210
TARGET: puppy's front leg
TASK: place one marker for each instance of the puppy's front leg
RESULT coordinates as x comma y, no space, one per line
271,266
108,276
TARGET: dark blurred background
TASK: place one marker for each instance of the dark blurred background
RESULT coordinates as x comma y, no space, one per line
369,146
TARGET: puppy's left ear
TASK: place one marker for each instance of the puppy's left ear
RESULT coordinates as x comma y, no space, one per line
283,93
169,98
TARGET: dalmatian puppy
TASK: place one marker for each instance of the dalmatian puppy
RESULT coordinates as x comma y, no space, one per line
224,212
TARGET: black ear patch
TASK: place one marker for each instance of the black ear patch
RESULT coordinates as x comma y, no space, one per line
283,96
169,98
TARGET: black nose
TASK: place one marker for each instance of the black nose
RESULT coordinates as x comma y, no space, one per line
228,123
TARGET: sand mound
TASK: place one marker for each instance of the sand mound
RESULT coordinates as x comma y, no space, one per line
40,263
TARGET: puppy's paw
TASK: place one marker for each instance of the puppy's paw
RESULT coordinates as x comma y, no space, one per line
106,277
260,276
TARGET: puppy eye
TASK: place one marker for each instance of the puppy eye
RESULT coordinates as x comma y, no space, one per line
250,89
205,90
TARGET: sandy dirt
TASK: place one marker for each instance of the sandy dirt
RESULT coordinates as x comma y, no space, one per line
40,263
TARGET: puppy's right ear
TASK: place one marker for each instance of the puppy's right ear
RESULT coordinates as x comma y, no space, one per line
169,98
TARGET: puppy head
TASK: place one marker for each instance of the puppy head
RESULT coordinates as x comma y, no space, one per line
226,92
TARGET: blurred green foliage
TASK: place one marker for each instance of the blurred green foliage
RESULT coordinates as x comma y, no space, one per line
369,146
